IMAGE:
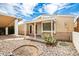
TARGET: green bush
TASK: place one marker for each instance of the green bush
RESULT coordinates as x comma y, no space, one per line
49,39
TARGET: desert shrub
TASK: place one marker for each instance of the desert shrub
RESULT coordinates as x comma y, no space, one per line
49,39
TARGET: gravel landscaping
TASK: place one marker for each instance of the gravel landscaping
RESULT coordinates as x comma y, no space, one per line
36,48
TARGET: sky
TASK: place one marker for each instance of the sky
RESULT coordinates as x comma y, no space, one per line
29,11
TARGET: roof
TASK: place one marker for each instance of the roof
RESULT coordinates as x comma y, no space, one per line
4,14
41,18
6,20
37,19
7,15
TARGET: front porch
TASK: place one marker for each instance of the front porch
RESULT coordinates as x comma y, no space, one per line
37,29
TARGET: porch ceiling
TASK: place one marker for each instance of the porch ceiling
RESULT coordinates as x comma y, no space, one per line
6,21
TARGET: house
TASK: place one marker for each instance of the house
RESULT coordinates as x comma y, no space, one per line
8,24
59,26
76,28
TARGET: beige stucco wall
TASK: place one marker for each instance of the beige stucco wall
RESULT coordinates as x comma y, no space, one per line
21,29
64,27
64,24
66,36
39,29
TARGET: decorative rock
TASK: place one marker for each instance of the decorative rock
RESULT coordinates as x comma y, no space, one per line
7,46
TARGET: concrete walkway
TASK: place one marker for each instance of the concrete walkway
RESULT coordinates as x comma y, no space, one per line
10,37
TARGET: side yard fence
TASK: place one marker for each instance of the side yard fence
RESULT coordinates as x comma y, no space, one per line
75,39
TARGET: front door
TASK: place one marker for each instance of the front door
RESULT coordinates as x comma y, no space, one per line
30,29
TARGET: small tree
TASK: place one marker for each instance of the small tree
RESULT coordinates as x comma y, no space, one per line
19,19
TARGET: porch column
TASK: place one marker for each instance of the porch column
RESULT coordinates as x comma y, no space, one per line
25,29
16,27
41,28
6,30
35,30
52,27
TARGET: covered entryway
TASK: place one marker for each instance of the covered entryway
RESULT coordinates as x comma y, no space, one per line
11,30
8,25
2,31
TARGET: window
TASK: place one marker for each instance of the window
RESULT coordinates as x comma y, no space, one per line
47,26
